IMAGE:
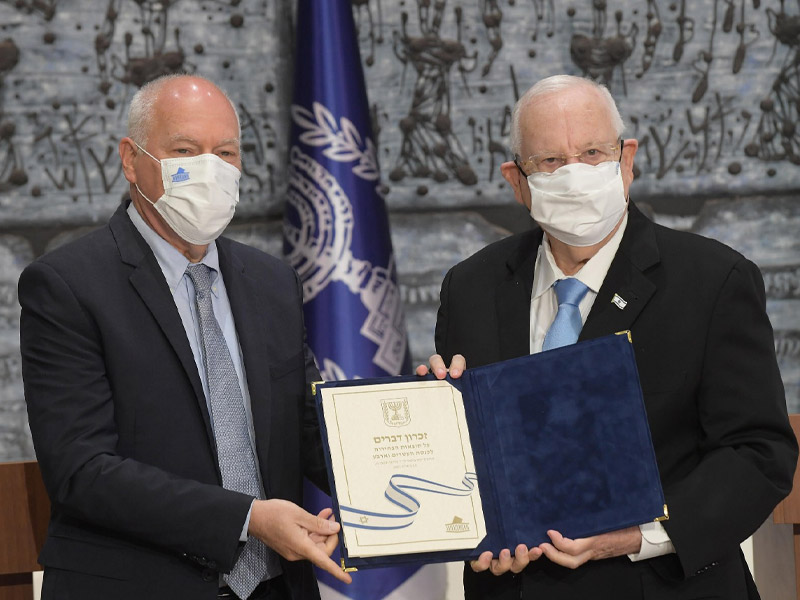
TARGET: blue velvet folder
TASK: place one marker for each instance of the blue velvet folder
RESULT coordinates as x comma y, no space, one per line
560,441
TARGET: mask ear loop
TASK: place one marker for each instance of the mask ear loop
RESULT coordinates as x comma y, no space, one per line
146,152
136,185
141,193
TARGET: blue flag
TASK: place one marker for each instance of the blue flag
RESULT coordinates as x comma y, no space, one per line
336,234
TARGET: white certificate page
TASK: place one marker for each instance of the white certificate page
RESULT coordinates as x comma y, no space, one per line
403,468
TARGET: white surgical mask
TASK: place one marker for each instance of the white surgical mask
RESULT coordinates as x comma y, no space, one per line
200,195
578,204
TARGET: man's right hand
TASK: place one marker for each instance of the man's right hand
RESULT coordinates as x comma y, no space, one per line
505,562
296,534
457,366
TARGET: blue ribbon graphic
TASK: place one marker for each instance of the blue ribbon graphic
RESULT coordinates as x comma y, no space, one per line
397,492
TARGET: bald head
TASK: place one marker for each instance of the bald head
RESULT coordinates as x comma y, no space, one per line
557,85
166,93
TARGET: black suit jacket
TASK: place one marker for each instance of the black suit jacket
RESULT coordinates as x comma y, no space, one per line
713,392
120,423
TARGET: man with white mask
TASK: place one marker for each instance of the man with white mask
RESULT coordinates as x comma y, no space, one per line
703,344
167,382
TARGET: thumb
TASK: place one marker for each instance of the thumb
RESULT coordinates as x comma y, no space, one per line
317,524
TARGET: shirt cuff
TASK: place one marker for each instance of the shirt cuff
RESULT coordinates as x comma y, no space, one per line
243,536
655,542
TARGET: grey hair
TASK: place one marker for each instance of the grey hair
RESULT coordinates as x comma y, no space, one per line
140,113
557,83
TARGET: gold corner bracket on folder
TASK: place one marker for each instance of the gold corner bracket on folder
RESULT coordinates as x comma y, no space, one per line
626,332
347,569
314,385
665,517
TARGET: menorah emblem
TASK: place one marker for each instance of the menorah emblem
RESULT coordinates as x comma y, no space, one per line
395,412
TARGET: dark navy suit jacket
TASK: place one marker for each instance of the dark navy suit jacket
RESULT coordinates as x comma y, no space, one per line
120,423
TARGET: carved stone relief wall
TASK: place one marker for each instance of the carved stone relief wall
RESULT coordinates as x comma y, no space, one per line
710,88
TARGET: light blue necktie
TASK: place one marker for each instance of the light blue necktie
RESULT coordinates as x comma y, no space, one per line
231,431
567,325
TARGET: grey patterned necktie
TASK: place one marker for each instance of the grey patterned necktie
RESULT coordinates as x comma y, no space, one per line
236,461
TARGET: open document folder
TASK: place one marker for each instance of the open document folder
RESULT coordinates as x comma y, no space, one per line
423,470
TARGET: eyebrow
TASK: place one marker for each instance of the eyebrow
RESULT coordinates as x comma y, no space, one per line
586,146
191,140
184,138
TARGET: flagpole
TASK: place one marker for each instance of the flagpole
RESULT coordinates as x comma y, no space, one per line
336,235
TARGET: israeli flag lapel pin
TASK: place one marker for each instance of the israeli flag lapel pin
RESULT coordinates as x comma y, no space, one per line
618,301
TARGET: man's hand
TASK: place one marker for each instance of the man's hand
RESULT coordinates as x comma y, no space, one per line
296,534
457,366
322,538
573,553
505,562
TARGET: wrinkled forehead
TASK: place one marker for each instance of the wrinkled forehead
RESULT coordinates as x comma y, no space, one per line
200,113
566,121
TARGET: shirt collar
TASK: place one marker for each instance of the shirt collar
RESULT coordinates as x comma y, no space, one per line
591,274
173,264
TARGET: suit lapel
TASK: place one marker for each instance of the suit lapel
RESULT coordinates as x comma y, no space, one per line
626,289
148,281
513,298
248,308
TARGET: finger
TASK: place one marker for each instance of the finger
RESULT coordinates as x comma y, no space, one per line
457,366
317,557
567,545
330,544
520,559
559,558
483,562
534,553
437,366
327,542
421,370
562,558
318,524
554,536
502,563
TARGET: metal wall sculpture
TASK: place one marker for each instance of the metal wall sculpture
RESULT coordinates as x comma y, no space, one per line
711,89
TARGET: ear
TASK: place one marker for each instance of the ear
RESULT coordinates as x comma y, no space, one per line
127,153
516,180
626,162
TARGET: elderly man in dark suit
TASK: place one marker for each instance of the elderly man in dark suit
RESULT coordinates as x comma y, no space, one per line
703,344
166,376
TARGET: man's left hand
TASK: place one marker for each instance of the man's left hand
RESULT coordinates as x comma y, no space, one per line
573,553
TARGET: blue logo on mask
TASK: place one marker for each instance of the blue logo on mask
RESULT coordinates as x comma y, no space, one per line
181,175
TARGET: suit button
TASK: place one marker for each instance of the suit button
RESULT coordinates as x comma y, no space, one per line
209,575
202,561
212,565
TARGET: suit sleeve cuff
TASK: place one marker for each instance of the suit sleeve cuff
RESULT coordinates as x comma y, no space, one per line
655,542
